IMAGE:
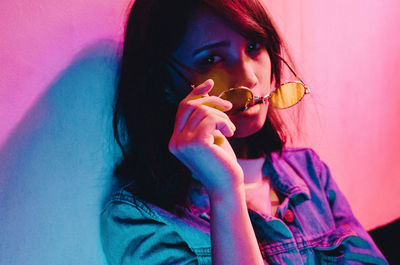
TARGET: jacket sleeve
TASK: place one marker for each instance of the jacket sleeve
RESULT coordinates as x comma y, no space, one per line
357,250
134,235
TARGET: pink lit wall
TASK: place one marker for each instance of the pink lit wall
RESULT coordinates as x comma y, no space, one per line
348,53
58,60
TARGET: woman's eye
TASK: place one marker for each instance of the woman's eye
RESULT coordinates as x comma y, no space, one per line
253,46
213,59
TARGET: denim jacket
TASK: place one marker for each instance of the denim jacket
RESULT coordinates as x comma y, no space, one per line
313,225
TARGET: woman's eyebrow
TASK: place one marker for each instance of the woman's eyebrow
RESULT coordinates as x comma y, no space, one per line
212,45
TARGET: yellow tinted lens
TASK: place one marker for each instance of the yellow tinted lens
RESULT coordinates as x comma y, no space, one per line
239,97
287,95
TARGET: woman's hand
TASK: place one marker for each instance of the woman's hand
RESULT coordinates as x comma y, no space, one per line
199,140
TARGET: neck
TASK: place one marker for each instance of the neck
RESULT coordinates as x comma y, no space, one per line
252,169
250,158
244,150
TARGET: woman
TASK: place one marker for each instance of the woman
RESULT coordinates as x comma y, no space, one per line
216,185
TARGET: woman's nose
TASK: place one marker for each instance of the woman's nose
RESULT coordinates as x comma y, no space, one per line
245,73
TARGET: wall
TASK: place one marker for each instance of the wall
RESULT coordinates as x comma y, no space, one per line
347,52
58,65
58,61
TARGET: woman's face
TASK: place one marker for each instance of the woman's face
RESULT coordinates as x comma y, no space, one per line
212,49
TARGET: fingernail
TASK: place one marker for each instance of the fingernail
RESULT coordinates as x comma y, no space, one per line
204,87
229,104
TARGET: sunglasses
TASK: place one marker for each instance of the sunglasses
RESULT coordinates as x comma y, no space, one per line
284,96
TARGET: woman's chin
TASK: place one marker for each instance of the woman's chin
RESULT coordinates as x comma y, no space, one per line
249,121
244,133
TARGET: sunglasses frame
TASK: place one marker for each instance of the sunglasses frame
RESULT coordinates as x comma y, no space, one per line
306,91
254,100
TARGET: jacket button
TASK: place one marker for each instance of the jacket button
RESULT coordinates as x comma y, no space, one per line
289,216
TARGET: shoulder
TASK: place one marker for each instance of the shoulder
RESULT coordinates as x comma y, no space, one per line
300,154
125,204
300,159
307,159
125,222
298,169
132,227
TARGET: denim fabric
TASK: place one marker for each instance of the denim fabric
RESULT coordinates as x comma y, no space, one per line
314,223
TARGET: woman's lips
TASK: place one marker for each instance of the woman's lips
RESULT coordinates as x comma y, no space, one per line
251,111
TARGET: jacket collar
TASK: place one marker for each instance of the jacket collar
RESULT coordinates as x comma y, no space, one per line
285,180
285,177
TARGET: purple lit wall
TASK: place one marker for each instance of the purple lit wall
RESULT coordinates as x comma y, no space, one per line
56,81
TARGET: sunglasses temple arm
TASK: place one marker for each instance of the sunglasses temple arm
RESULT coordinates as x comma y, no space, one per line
184,78
290,68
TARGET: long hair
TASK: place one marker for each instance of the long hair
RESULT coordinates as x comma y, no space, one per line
143,117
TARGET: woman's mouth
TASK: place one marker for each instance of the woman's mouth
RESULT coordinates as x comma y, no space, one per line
252,110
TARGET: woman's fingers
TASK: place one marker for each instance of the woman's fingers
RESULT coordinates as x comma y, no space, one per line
205,112
195,99
202,89
199,137
185,109
207,126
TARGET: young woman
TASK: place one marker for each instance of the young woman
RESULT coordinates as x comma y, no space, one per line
205,176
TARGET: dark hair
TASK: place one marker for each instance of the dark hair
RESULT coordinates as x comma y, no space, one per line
143,117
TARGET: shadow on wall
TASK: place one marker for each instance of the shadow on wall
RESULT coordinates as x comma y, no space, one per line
55,169
385,238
